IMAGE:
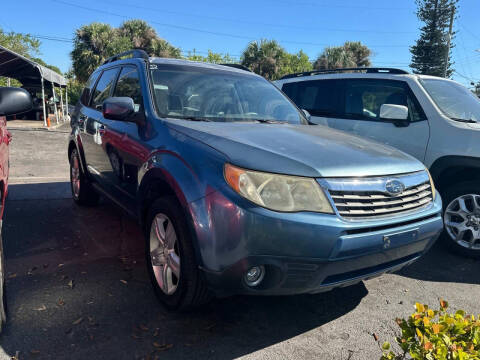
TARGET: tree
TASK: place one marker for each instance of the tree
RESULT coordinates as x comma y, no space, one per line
360,53
143,36
264,58
294,63
350,54
212,57
476,91
430,50
43,63
95,42
23,44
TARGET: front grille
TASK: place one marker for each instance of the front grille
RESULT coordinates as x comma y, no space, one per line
366,198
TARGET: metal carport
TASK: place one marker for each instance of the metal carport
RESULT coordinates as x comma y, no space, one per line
31,74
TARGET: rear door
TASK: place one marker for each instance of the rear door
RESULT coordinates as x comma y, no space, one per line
353,105
93,123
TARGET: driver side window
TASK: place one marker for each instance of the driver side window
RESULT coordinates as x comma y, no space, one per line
128,85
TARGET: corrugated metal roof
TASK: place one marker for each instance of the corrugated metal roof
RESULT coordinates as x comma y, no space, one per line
26,71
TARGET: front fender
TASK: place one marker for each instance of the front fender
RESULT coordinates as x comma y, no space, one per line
189,178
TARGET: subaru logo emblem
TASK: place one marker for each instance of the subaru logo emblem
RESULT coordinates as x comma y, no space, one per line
394,187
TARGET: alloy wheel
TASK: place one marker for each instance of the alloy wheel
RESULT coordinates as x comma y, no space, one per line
164,254
75,172
462,221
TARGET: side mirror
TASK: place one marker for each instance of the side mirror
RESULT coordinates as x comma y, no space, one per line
393,112
118,108
307,115
397,113
14,101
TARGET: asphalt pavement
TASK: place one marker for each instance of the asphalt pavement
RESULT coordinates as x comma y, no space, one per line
77,287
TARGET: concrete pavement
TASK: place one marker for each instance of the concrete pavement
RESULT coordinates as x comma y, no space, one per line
78,288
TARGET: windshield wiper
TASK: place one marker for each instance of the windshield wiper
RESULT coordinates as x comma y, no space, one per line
266,121
191,118
470,121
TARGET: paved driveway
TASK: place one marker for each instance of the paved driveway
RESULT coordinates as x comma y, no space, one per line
78,289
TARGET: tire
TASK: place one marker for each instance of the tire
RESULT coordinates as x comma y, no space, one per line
467,228
82,191
175,277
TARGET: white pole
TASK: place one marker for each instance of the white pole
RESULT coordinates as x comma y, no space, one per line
54,102
43,103
61,104
66,99
8,82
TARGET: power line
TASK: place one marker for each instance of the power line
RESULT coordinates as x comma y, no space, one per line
216,33
330,4
466,77
234,20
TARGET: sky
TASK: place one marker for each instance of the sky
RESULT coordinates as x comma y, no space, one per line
387,27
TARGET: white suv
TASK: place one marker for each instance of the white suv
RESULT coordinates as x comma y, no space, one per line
433,119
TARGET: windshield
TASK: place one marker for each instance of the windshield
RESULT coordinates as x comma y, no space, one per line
454,100
195,93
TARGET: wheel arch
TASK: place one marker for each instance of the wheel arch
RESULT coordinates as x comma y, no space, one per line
453,169
74,145
157,182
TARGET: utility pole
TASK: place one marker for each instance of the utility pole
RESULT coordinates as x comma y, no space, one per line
447,53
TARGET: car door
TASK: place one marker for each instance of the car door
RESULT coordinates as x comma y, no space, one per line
124,141
92,130
353,105
5,138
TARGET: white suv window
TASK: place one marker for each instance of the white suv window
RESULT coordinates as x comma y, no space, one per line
358,99
363,98
318,97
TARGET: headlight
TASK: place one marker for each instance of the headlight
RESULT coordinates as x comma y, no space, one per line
278,192
432,185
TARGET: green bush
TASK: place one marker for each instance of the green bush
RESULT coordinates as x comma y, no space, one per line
437,335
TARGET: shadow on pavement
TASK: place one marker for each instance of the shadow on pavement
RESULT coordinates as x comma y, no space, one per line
441,265
78,288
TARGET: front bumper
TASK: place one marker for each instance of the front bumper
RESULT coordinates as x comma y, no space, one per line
303,252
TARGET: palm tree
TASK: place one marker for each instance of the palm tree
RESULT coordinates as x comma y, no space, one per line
96,42
93,44
264,58
350,54
145,37
333,58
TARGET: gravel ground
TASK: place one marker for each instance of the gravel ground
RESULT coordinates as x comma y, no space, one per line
77,287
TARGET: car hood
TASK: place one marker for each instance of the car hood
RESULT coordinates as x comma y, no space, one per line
313,151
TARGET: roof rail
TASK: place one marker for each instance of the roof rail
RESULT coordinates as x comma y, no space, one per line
135,53
237,66
368,70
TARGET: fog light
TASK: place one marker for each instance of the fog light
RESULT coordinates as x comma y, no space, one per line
255,275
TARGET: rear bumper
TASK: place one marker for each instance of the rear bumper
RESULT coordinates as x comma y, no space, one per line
303,253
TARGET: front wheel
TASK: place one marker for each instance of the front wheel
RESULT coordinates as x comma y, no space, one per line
462,218
174,273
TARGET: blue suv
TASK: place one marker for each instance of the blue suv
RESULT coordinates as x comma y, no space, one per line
235,192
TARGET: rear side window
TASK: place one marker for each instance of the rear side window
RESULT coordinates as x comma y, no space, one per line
103,88
364,98
84,99
358,99
318,97
128,85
